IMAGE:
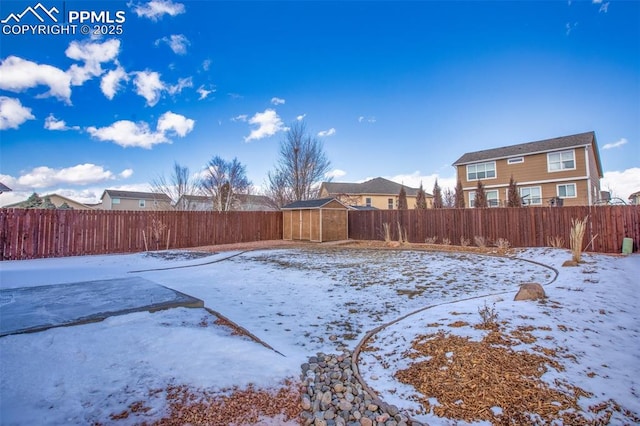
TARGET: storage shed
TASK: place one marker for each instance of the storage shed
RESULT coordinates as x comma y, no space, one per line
324,219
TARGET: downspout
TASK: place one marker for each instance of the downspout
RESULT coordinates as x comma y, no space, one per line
589,189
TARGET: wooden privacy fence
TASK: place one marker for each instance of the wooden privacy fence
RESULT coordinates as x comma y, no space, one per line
521,227
36,233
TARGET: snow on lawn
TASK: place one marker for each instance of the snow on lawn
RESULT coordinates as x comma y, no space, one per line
302,301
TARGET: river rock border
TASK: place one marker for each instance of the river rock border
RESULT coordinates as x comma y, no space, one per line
333,396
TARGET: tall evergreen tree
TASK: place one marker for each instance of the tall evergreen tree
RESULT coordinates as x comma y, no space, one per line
421,199
402,199
480,200
437,196
513,197
459,196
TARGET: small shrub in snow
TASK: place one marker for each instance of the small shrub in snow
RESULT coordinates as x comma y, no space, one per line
489,315
480,241
464,242
555,242
431,240
503,244
446,241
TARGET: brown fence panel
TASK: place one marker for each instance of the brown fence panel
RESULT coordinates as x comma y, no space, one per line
35,233
521,227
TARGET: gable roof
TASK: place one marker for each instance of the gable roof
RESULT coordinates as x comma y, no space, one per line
311,204
71,203
4,188
115,193
377,185
528,148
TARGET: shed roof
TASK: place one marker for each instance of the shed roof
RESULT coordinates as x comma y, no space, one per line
546,145
311,204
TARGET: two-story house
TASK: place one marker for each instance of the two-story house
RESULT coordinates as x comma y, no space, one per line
564,170
377,193
114,199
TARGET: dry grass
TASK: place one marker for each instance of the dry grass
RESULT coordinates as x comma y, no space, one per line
480,241
578,227
555,241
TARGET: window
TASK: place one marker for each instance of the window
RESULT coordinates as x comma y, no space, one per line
115,201
531,195
492,198
515,160
390,203
367,201
141,203
558,161
481,171
567,191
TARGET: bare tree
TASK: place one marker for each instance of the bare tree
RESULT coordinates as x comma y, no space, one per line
278,188
180,183
437,196
448,198
301,167
459,196
223,180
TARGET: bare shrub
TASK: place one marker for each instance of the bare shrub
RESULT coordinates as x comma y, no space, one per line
503,244
402,234
464,242
446,241
431,240
480,241
489,315
578,226
555,241
386,232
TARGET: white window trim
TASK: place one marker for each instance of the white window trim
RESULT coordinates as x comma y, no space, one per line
367,201
526,200
142,203
515,160
472,197
115,200
575,190
561,169
495,171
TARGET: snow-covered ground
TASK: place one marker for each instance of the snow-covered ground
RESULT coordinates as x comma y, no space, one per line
302,301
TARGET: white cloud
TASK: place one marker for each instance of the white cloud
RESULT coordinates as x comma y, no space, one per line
149,86
17,75
241,117
335,173
604,8
129,134
206,64
277,101
621,183
363,119
596,1
615,144
12,113
570,27
175,123
301,117
414,179
204,93
268,124
52,123
126,173
93,55
155,9
47,177
177,42
110,83
182,84
329,132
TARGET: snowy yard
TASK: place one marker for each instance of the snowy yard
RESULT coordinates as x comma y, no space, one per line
303,301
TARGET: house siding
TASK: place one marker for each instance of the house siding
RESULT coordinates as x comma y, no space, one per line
533,171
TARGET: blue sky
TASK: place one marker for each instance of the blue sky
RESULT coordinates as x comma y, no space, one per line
393,89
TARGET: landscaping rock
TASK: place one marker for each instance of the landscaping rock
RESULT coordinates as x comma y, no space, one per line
530,291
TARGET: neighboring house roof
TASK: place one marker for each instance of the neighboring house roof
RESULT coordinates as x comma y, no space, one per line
311,204
363,208
114,193
380,186
71,203
634,195
4,188
547,145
